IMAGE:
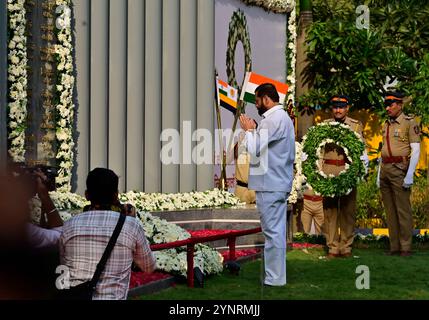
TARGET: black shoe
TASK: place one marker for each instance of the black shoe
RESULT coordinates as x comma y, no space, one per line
405,253
392,253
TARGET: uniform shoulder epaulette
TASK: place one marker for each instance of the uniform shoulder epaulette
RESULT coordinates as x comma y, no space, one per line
354,120
409,117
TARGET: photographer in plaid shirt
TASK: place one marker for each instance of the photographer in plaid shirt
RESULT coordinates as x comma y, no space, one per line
85,237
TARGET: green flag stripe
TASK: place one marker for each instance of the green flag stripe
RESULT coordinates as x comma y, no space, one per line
248,97
223,92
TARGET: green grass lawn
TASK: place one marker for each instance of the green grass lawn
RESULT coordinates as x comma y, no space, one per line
309,277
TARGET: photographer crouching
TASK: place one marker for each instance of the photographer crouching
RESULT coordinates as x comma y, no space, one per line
41,180
28,253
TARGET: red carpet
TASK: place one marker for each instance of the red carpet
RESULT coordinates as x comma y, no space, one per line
141,278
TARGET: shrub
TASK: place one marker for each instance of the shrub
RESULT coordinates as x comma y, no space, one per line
370,211
420,201
369,208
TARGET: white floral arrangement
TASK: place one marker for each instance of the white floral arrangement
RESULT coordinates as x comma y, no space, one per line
159,231
68,201
65,108
35,206
299,180
291,50
180,201
17,77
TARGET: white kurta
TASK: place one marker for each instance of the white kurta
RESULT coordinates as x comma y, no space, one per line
272,151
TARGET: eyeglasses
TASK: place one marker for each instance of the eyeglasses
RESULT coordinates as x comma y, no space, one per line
338,107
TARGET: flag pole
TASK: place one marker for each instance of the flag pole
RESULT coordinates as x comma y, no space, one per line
222,180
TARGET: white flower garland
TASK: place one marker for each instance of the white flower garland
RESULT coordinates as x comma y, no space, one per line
319,153
291,49
299,180
65,107
314,142
277,6
180,201
17,76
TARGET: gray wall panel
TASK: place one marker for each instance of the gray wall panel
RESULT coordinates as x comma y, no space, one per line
153,94
143,66
170,86
205,83
135,95
117,89
82,54
99,83
188,91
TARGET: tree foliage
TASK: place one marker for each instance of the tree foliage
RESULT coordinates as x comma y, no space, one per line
343,59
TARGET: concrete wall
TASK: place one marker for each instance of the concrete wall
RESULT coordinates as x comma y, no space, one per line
142,66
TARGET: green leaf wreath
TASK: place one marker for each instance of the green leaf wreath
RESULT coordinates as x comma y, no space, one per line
238,31
350,141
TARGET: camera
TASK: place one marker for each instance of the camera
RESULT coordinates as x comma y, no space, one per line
29,172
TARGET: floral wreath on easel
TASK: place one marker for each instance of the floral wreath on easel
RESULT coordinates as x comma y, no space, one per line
313,144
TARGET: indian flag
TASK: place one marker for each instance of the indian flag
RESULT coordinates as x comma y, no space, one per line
254,80
227,96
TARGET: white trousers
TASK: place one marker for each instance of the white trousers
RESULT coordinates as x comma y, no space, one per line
272,207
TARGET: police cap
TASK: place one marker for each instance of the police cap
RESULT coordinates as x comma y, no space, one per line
393,96
339,101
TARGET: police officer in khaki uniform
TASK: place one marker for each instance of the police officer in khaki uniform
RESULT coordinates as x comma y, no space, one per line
400,154
242,163
312,211
339,211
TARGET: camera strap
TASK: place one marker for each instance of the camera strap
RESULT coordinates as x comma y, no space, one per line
102,263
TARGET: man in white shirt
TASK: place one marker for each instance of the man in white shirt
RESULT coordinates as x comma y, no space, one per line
272,151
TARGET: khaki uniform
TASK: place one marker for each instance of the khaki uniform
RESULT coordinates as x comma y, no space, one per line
312,211
339,212
242,174
398,134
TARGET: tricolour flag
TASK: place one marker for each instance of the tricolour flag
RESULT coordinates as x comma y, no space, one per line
254,80
227,96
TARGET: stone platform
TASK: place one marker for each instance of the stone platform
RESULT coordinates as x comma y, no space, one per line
224,219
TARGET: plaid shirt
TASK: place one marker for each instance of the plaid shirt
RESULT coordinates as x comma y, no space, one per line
83,242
